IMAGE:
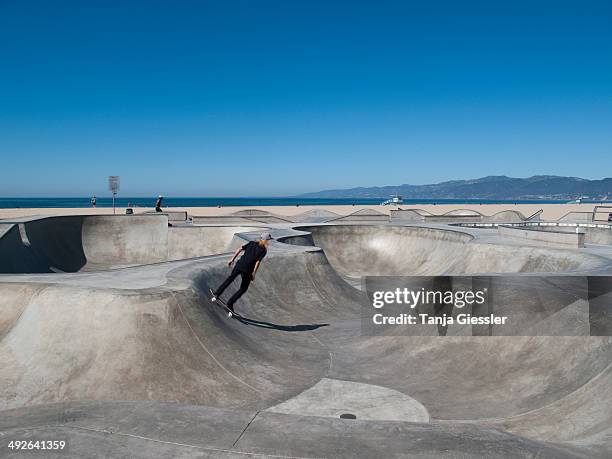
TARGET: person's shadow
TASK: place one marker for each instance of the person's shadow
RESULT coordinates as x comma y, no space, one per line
289,328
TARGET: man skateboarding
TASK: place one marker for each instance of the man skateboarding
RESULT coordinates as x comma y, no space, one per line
246,268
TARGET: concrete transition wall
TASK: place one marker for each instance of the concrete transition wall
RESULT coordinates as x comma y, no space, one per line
198,241
173,345
383,250
86,243
300,344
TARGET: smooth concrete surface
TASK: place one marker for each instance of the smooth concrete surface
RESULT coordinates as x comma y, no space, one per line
548,238
153,429
138,362
363,401
93,243
173,216
593,233
199,241
357,251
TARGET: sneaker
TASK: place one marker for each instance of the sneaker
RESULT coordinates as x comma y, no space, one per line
229,315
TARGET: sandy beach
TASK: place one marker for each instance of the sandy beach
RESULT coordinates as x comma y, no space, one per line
550,211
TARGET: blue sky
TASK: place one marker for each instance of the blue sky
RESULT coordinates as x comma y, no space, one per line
249,98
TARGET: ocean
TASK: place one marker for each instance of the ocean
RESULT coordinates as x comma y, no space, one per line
17,203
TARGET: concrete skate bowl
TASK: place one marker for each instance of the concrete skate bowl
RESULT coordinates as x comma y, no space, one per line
356,251
298,352
278,381
88,243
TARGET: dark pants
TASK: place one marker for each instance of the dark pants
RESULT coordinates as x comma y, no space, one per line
244,286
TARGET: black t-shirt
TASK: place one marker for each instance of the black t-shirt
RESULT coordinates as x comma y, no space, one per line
253,252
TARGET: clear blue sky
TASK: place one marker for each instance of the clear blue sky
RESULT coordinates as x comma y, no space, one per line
277,98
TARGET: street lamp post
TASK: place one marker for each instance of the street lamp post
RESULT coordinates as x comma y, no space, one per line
113,185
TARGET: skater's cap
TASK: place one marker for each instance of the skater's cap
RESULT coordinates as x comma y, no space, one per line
266,236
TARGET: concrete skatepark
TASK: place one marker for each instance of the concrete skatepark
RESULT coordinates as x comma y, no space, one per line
108,339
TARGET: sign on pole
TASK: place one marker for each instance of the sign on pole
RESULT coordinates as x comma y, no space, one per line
113,185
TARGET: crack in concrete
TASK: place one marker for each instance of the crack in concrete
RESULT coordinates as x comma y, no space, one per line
245,428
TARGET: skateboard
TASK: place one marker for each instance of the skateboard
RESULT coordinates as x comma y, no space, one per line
224,306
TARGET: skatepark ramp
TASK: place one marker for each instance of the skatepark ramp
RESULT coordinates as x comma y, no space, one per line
127,355
86,243
357,251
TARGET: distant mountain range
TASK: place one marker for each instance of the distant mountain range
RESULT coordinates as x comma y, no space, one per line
492,187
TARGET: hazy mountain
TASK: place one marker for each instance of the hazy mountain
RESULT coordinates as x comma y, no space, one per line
492,187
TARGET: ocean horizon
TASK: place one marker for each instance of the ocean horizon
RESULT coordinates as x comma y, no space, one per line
80,202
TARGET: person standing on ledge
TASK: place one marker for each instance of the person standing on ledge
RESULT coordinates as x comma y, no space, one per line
94,201
158,203
246,268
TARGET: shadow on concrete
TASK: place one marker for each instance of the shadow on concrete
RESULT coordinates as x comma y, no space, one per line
289,328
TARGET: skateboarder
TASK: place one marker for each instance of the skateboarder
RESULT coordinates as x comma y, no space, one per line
246,268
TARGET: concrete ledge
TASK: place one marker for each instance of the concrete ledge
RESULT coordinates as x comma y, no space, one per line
549,238
173,216
222,219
